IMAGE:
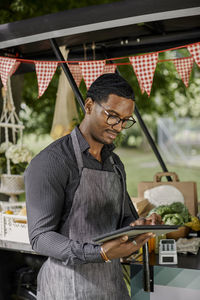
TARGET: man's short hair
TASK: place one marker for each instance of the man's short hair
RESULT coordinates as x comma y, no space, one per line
110,83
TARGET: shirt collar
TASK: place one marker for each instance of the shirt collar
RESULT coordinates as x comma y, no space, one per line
85,146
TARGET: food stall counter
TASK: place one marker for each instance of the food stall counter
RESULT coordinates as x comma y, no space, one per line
180,281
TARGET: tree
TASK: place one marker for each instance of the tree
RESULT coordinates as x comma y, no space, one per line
15,10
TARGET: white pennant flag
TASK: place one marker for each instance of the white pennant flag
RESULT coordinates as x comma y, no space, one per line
144,67
91,70
45,71
7,68
195,52
184,68
109,68
76,73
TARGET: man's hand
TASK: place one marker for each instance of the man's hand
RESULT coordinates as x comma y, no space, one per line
122,247
153,219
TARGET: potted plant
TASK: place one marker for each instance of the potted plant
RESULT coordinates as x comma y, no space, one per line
14,159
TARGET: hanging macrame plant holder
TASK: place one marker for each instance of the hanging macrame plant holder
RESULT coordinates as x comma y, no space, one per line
11,184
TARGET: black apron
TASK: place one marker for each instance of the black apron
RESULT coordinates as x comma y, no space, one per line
96,209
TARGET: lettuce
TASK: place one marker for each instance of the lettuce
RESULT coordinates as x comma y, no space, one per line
173,214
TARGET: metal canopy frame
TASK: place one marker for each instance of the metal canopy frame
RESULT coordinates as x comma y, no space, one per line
125,27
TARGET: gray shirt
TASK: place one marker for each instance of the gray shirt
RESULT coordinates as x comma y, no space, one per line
51,181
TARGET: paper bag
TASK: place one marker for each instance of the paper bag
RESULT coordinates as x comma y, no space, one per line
187,188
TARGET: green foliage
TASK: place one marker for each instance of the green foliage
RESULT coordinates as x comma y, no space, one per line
3,163
15,168
14,10
18,168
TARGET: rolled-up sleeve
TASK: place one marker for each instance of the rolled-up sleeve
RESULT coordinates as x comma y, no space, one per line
45,183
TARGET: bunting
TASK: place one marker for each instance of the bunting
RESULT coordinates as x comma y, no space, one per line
184,68
91,70
144,67
76,73
195,52
109,68
45,71
7,68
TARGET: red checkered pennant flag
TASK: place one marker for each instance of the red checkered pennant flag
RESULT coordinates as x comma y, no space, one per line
109,68
144,67
195,52
91,70
7,68
184,68
15,67
45,71
76,73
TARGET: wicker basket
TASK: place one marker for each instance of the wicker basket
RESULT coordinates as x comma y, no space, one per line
180,233
12,184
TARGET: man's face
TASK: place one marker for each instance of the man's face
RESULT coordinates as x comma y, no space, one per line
116,106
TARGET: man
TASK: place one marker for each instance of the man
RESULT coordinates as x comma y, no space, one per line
75,191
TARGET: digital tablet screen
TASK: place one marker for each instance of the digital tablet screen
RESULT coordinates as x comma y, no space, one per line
132,231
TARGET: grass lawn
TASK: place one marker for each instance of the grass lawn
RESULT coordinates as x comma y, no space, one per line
141,166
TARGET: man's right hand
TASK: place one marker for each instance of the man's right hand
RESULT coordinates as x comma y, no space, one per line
122,247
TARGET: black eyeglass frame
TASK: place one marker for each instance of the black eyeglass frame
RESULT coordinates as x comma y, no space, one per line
117,117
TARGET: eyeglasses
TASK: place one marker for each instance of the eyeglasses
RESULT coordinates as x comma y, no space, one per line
114,120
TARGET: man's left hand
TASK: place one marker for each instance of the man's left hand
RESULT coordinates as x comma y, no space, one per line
153,219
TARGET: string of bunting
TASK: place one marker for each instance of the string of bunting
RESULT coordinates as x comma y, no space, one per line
144,67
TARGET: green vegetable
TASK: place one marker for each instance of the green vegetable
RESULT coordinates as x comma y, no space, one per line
161,210
177,207
173,214
186,215
173,219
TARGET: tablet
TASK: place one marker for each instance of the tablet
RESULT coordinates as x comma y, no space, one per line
132,231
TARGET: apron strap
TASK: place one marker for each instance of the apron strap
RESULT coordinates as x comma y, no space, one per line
77,150
118,171
131,206
114,166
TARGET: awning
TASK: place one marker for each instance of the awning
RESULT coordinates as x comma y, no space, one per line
118,29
